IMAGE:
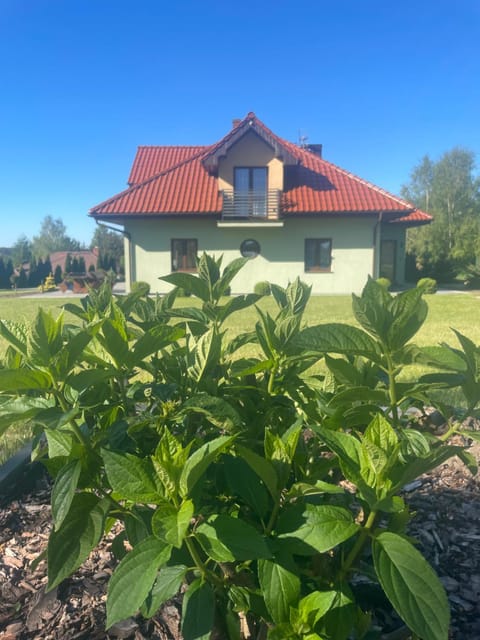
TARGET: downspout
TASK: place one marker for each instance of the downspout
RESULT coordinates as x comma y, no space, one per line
126,235
376,245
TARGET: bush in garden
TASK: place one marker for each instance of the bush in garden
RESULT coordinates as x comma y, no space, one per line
229,472
427,285
262,288
384,282
140,286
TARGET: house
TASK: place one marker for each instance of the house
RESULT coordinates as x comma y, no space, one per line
254,194
87,259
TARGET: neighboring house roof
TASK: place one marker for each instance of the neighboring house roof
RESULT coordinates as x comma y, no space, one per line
183,180
59,258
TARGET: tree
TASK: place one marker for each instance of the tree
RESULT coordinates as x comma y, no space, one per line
449,190
110,245
21,251
58,274
53,237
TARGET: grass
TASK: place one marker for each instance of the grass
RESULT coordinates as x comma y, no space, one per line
460,311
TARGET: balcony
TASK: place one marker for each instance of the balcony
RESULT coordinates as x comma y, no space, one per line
254,206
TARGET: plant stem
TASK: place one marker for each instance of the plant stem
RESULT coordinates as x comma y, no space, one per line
358,546
210,575
392,389
273,517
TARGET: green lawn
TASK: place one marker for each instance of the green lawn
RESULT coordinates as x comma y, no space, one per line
461,311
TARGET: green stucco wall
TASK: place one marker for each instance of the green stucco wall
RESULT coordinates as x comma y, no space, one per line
282,250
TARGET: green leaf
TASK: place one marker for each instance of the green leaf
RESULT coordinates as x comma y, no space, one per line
81,380
338,338
133,578
246,484
339,619
354,461
60,443
24,379
131,477
167,584
115,341
64,490
198,611
190,283
227,539
323,527
199,461
345,372
262,467
315,606
469,461
170,524
230,271
156,339
409,312
79,534
236,304
217,410
371,309
74,348
14,410
207,353
15,334
401,476
45,338
281,588
474,435
297,295
411,586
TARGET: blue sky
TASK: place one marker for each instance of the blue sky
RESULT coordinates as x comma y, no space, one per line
83,82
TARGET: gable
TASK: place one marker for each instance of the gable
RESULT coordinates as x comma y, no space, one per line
250,151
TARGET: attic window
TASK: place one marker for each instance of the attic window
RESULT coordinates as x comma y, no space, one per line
250,248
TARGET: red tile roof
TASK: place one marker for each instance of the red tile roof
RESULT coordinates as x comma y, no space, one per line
181,180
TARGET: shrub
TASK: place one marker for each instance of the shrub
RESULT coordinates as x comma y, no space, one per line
266,493
384,282
182,293
427,285
262,288
140,287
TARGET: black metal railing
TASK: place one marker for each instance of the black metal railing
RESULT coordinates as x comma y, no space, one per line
256,205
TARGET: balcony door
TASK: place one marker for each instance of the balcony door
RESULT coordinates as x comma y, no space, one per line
250,195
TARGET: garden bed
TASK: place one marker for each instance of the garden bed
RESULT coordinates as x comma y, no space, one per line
446,527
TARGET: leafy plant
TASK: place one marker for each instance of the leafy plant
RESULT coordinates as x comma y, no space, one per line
262,288
384,282
269,487
429,285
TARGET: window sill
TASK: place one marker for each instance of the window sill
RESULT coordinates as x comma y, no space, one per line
318,271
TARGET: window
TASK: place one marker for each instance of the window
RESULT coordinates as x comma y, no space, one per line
250,248
318,254
250,191
184,255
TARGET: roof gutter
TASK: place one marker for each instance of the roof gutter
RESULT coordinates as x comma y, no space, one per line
124,233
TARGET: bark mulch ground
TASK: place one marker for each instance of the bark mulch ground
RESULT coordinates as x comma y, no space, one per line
446,527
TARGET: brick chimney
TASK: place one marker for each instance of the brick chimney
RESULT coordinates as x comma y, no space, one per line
316,149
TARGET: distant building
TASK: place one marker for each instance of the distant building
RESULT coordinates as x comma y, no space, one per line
59,258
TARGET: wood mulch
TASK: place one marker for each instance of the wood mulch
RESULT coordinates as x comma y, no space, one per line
446,526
